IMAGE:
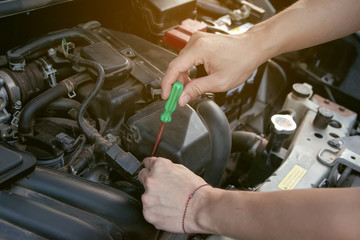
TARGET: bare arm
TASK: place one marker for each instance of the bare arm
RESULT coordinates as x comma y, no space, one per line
230,60
296,214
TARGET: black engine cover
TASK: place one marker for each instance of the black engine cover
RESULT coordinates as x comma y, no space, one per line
54,205
185,133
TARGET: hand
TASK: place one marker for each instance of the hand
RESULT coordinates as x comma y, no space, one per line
228,60
167,188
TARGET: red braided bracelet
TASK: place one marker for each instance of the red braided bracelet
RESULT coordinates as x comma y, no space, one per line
186,206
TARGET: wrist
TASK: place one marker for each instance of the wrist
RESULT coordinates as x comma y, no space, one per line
216,207
266,43
201,210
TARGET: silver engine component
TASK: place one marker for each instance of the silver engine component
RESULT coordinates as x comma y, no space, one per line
305,166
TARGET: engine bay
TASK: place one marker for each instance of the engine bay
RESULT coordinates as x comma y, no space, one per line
80,106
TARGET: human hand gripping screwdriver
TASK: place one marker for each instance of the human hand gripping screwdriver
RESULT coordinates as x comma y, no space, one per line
170,106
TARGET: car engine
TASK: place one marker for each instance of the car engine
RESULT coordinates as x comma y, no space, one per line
80,107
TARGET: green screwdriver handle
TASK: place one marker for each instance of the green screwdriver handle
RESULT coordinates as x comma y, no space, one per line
171,102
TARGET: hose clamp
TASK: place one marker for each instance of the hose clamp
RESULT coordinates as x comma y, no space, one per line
17,67
48,71
15,119
252,151
71,88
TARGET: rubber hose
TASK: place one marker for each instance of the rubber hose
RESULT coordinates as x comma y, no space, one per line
37,103
243,141
18,54
64,104
279,68
340,182
89,133
40,101
220,139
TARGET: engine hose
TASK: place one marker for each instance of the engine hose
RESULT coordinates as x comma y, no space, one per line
18,54
40,101
243,141
64,104
90,133
220,139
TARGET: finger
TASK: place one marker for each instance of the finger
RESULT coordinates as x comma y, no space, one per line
149,162
178,69
142,175
189,56
183,77
174,73
199,86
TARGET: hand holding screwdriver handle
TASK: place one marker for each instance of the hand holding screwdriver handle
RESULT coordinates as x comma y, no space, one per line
171,102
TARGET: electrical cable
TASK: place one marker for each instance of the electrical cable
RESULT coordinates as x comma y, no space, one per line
91,134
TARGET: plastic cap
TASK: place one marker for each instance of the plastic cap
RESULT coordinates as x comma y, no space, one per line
323,118
302,90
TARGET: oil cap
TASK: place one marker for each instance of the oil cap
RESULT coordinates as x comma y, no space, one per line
323,118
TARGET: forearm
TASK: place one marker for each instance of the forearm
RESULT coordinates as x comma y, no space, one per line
307,23
299,214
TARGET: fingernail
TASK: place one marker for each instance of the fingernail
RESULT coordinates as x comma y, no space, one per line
163,96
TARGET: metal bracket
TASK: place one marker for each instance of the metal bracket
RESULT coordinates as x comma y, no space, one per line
155,91
17,67
128,52
48,71
15,119
50,74
344,156
71,89
129,134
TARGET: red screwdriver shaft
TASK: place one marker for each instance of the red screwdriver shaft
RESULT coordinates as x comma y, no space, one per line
158,139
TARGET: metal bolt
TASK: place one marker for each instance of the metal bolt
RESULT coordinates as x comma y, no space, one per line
111,138
51,52
17,105
334,143
2,82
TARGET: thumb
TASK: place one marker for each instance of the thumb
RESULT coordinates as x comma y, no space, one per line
198,86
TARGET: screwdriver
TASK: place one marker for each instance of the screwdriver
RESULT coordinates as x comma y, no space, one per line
170,106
